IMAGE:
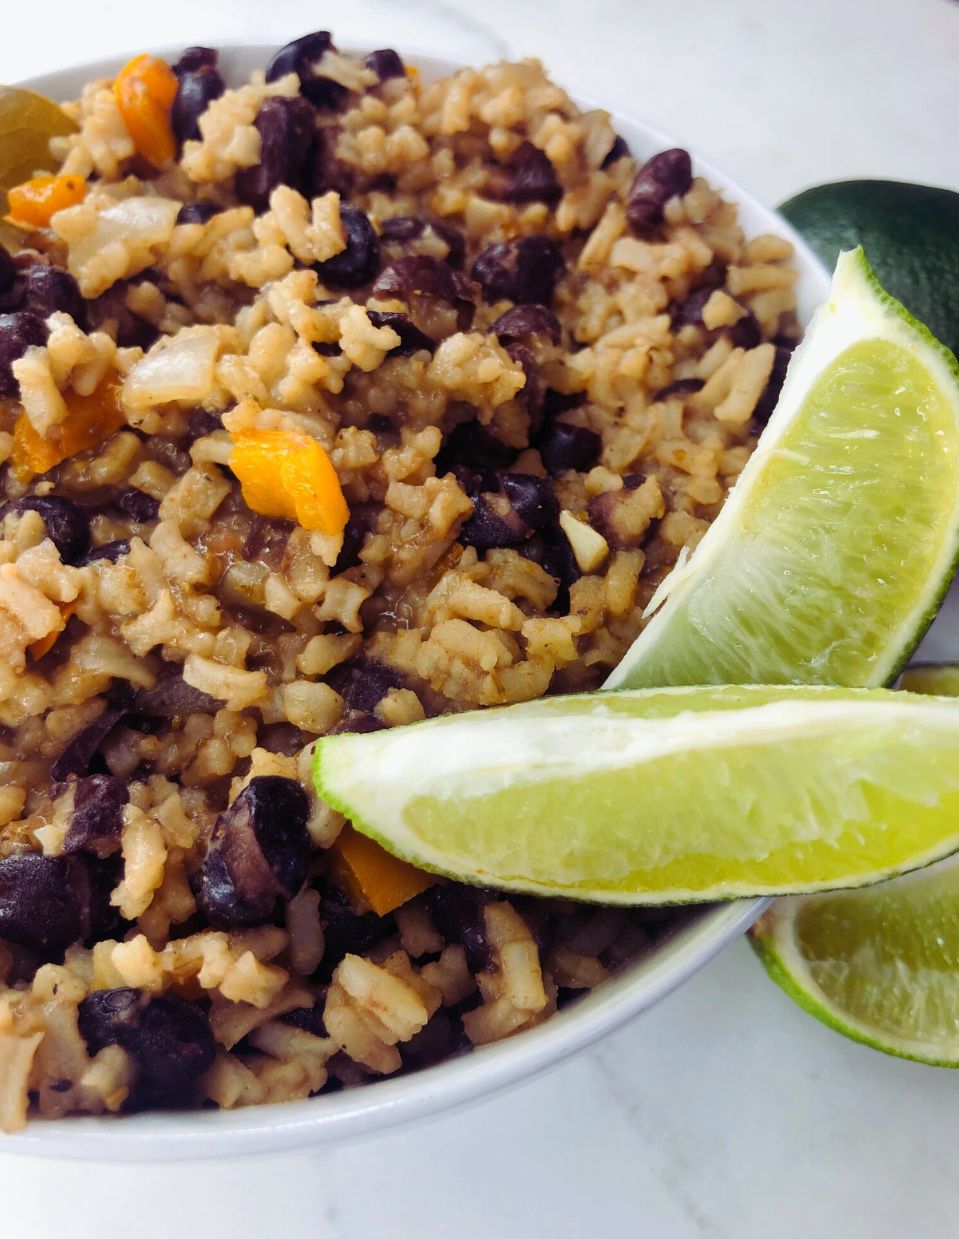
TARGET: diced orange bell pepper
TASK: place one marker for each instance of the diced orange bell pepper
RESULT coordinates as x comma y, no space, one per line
371,877
35,202
288,474
144,90
46,644
90,420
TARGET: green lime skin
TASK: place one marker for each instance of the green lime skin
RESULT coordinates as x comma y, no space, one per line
910,232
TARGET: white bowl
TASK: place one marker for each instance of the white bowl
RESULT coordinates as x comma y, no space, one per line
366,1110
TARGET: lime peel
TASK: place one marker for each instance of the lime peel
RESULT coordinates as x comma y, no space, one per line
880,966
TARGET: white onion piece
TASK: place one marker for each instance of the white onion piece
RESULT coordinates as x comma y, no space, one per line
121,241
179,369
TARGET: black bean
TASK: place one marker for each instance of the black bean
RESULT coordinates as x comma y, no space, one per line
258,853
455,241
197,212
411,338
324,170
555,402
385,63
266,541
358,263
458,913
67,524
681,387
49,902
282,738
435,1041
563,446
196,92
363,681
417,276
619,150
770,397
302,57
470,447
48,290
532,499
689,313
8,270
552,551
402,228
665,176
746,333
97,811
275,812
473,482
527,320
359,524
171,696
110,551
129,329
523,270
423,282
196,58
139,506
286,128
347,932
167,1038
78,754
494,523
533,391
310,1019
201,423
17,333
528,177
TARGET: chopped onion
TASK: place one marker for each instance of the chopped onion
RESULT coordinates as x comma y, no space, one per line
179,369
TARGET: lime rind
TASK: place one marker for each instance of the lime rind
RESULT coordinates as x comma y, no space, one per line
772,940
935,679
858,309
504,797
773,937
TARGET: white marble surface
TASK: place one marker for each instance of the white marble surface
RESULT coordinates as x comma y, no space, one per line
725,1112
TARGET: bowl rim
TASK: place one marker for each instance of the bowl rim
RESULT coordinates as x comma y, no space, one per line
480,1074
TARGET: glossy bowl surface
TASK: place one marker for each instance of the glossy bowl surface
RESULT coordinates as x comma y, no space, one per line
354,1113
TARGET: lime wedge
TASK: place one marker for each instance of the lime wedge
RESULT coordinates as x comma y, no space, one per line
27,123
834,549
662,796
880,965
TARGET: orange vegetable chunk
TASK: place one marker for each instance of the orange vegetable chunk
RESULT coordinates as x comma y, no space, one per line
144,90
90,420
34,203
288,474
46,644
372,877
